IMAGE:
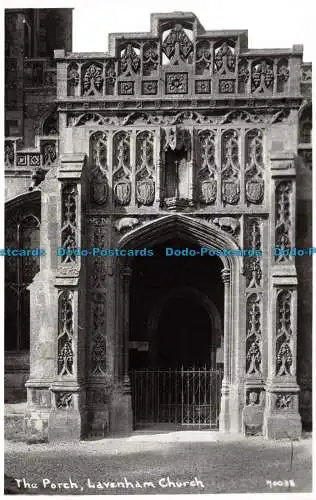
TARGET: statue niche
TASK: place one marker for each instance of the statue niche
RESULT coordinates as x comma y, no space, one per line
177,157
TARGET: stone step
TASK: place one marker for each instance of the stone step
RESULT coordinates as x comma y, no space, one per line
14,421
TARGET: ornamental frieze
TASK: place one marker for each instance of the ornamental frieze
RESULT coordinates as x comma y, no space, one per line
143,118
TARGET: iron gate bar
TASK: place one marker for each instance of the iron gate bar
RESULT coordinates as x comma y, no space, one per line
186,397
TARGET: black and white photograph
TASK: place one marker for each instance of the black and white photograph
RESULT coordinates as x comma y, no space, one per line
157,248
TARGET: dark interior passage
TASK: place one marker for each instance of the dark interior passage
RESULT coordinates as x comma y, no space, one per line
170,324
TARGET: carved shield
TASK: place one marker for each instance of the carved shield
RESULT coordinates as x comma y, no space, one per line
99,189
208,191
254,191
122,190
145,191
230,192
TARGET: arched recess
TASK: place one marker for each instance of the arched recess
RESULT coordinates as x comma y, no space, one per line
22,227
203,299
195,231
305,124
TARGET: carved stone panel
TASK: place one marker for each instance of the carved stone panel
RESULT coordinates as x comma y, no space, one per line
98,338
230,168
145,185
69,221
176,83
284,335
253,264
254,335
262,76
207,175
177,46
283,216
99,168
122,168
254,171
65,333
92,79
224,60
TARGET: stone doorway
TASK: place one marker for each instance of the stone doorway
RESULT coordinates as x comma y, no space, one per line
176,317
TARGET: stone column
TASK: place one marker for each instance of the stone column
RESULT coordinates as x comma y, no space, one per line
121,420
224,418
66,419
281,417
43,318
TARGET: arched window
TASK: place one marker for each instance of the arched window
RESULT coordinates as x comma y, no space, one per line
305,126
22,232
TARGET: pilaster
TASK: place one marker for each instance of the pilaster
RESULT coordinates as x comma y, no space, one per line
43,319
66,419
121,413
281,417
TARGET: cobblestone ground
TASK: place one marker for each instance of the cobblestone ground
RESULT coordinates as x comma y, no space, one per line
193,462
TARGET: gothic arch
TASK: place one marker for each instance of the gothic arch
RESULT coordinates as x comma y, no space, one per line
183,226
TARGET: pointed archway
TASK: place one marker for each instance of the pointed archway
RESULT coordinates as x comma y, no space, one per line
202,234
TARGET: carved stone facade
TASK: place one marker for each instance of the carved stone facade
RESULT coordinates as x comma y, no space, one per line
184,133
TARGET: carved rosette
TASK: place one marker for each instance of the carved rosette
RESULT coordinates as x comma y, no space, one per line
69,220
254,335
99,168
283,229
230,168
65,333
284,335
208,171
98,337
145,186
254,172
122,168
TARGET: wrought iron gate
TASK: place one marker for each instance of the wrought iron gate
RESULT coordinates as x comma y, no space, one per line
185,397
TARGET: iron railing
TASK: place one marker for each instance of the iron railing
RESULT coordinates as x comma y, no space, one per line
183,397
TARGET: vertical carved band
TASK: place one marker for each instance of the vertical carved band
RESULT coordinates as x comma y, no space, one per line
207,174
230,168
65,333
69,228
254,171
98,168
284,334
98,335
254,335
145,185
283,215
253,264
